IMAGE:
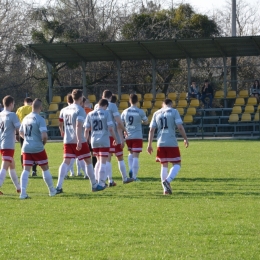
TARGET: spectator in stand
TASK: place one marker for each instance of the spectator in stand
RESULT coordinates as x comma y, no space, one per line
207,92
194,91
255,90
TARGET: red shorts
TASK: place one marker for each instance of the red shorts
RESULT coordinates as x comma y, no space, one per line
135,145
168,154
39,158
69,151
101,152
7,154
117,150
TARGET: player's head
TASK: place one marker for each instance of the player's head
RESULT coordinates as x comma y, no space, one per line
69,99
133,99
77,95
28,101
113,99
36,105
107,94
167,102
103,103
8,102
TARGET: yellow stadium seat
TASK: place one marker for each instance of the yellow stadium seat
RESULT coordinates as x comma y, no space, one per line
46,122
53,108
123,105
188,119
249,109
51,116
233,118
120,111
92,98
54,122
148,96
183,95
236,110
150,117
145,110
243,93
256,118
58,114
65,99
182,103
180,110
153,110
231,94
158,104
246,117
160,96
172,96
147,104
219,94
252,101
191,111
194,103
239,102
56,99
124,97
139,97
258,108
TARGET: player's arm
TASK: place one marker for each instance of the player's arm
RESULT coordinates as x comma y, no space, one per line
21,133
183,134
86,132
120,125
150,140
44,137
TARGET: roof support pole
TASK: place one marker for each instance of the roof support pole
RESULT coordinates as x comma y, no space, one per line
189,71
225,80
118,66
234,59
49,73
84,78
154,78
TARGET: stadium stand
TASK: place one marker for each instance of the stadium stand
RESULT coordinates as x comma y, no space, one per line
233,118
157,104
252,101
148,97
194,103
147,104
124,97
243,93
239,102
231,94
153,110
180,110
92,98
219,94
256,117
123,105
53,108
249,109
172,96
182,95
191,111
160,96
182,103
245,117
188,119
56,100
140,98
236,110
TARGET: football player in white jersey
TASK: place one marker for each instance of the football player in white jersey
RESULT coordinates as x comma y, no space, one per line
133,117
165,121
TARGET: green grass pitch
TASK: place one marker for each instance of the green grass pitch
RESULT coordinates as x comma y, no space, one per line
213,212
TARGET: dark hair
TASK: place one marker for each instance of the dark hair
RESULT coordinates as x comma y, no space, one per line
133,98
76,94
107,94
206,80
8,100
36,103
167,101
254,86
103,102
69,98
84,99
113,99
28,100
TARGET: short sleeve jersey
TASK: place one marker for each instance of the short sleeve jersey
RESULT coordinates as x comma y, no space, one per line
99,121
69,116
8,123
132,117
33,125
166,120
23,111
112,108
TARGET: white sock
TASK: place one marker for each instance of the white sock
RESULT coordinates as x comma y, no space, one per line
91,175
102,175
78,164
2,176
14,178
122,169
135,167
71,166
97,168
164,174
109,171
173,172
24,181
63,169
130,161
46,175
83,166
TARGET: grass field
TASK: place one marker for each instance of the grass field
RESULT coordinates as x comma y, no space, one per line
213,212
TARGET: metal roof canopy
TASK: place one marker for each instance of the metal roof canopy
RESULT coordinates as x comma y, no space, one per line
146,50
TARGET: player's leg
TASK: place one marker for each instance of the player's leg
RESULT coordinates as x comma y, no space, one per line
135,165
173,171
27,165
7,157
121,166
34,169
164,174
71,167
47,177
102,171
78,166
13,176
108,162
4,167
63,169
130,163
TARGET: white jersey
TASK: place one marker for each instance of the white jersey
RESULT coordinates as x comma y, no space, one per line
9,122
70,115
112,108
166,120
33,125
132,117
99,121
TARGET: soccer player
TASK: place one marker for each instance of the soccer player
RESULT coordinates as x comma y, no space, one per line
100,123
75,145
133,117
9,132
165,121
117,149
34,132
21,112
